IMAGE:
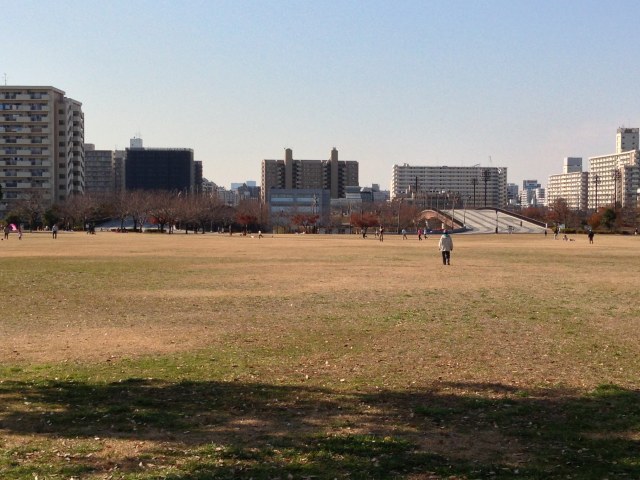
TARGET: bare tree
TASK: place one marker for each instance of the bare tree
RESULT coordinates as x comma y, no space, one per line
139,207
30,209
162,209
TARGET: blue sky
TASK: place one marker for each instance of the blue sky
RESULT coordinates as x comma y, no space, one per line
516,84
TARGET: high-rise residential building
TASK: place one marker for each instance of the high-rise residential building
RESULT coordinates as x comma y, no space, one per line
614,179
166,169
289,174
98,170
479,187
627,139
41,145
572,185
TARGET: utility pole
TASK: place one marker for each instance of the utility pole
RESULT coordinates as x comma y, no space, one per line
474,182
486,175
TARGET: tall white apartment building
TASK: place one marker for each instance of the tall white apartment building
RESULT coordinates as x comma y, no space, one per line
572,185
479,186
614,179
41,145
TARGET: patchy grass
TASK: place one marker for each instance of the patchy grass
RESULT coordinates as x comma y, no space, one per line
204,356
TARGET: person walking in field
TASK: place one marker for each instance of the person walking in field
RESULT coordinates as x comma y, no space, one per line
590,235
404,233
381,233
54,231
446,247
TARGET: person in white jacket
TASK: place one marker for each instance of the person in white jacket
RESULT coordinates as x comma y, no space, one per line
446,247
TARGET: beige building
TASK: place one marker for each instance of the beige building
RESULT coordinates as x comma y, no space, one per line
478,186
572,185
41,146
333,174
615,179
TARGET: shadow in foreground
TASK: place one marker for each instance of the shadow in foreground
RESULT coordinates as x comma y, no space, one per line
204,430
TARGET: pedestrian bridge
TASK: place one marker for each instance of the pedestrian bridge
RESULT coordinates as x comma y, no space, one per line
485,220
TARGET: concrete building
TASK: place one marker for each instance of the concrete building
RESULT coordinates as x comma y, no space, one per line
333,174
481,187
627,139
166,169
532,194
572,185
614,179
286,204
572,164
41,145
512,194
98,170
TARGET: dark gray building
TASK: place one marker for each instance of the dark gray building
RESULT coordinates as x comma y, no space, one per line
167,169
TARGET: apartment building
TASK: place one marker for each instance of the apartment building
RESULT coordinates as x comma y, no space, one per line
572,185
614,179
99,174
481,187
289,174
41,146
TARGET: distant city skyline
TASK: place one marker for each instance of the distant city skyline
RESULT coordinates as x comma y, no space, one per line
499,83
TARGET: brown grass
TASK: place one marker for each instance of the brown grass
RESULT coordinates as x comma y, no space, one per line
515,309
332,316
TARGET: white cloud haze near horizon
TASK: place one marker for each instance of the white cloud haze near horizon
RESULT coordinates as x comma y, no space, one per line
518,84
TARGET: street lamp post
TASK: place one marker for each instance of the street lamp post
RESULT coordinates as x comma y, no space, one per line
486,174
616,177
453,212
474,182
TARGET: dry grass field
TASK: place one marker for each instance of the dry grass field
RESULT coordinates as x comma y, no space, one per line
146,356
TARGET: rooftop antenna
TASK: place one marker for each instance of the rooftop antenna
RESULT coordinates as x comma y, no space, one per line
490,161
5,79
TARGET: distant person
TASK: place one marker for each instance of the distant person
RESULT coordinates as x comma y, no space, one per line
54,231
556,231
545,232
404,233
419,234
6,230
446,247
381,233
590,235
19,232
259,233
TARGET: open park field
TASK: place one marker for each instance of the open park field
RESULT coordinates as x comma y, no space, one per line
147,356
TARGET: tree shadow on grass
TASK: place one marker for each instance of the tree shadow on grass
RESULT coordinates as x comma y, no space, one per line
202,430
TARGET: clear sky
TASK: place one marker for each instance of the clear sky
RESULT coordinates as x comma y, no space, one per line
514,83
